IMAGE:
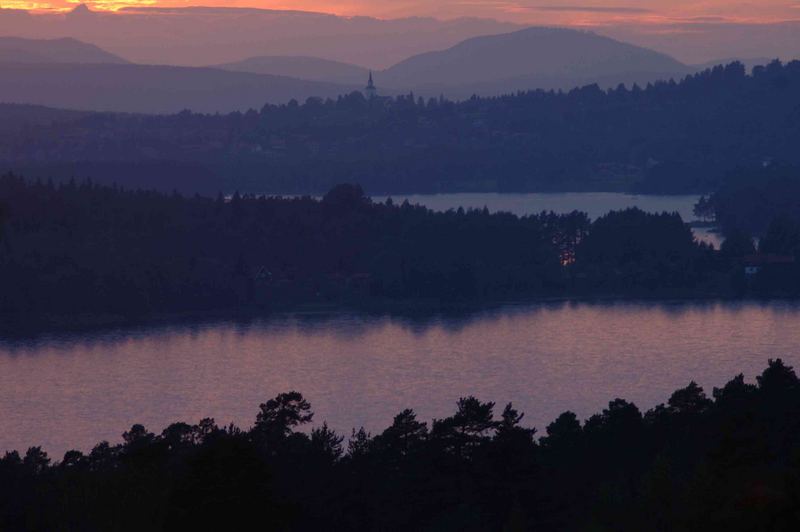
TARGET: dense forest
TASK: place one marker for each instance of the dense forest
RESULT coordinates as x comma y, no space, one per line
667,137
74,249
756,201
758,211
725,462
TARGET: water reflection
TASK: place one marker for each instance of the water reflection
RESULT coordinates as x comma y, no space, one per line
72,390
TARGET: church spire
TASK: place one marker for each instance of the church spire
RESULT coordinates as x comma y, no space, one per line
370,90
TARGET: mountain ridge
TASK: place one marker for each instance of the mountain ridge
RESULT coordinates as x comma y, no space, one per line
61,50
528,59
156,89
203,36
301,67
536,57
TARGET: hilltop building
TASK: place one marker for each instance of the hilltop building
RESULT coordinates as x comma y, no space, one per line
370,90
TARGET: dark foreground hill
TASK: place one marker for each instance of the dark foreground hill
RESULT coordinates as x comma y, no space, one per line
728,461
96,250
86,250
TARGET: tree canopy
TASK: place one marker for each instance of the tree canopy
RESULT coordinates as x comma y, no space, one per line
668,137
728,461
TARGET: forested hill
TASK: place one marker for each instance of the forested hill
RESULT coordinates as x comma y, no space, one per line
667,137
751,199
85,249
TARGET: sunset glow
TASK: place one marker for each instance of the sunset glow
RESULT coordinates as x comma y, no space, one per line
567,12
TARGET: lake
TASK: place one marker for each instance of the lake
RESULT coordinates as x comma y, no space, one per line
594,204
73,390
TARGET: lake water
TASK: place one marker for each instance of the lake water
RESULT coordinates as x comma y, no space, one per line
73,390
594,204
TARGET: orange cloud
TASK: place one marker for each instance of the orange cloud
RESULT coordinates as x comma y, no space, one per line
562,12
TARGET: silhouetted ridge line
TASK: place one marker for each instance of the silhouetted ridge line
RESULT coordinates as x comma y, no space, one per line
529,59
48,51
175,254
726,461
667,137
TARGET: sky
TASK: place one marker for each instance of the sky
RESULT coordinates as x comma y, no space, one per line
561,12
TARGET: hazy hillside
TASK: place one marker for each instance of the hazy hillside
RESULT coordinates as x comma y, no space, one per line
151,89
530,58
702,43
533,58
667,138
309,68
202,36
15,117
19,50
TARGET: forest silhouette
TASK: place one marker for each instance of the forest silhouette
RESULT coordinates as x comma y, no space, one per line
75,249
725,462
668,137
84,249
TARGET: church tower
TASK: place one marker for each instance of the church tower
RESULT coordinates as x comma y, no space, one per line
370,91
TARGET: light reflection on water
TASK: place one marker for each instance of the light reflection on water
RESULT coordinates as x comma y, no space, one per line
74,390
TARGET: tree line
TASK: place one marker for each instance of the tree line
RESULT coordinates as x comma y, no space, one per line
758,211
668,137
759,202
76,248
725,462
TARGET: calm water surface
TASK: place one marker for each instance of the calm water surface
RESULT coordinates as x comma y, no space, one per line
72,391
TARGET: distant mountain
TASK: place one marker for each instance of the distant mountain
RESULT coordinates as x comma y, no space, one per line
548,58
19,50
673,139
207,36
308,68
701,42
151,89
